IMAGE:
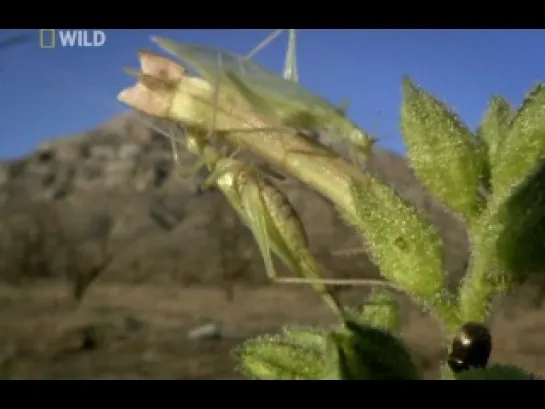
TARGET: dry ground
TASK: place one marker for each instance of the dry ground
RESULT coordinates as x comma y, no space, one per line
141,330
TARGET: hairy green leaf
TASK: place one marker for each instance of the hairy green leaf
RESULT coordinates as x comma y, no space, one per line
523,146
311,338
362,352
404,245
343,361
380,311
495,125
442,151
294,354
508,247
496,372
521,244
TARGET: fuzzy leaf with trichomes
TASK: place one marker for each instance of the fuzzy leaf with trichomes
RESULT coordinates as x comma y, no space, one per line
521,244
509,241
523,146
508,247
380,311
404,245
300,353
363,352
293,354
444,154
495,125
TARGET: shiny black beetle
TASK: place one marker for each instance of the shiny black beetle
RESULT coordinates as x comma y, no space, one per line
471,347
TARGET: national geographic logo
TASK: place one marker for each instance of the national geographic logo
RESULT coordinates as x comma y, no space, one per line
51,38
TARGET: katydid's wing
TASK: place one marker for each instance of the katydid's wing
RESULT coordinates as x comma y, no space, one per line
204,59
286,112
255,209
260,104
269,104
206,68
293,104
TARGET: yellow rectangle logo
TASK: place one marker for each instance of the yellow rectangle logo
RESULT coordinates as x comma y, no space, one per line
47,38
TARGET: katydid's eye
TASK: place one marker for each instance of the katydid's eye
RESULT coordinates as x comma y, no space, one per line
471,347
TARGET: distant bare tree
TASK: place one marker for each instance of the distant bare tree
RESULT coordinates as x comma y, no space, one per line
36,243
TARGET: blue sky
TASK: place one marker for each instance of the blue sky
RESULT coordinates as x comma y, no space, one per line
63,91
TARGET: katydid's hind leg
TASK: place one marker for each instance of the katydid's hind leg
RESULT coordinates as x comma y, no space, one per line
331,297
341,282
319,286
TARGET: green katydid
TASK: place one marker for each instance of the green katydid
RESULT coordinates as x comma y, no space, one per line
270,94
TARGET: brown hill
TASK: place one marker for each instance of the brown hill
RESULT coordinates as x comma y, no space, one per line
109,205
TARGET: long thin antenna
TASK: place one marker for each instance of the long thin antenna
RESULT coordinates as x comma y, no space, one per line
269,39
290,65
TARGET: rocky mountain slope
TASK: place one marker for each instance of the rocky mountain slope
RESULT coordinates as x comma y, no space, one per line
114,192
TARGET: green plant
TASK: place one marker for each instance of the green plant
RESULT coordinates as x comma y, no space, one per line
491,179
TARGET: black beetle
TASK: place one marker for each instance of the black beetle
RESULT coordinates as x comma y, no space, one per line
471,347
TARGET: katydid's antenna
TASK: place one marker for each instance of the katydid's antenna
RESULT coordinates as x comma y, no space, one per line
290,65
269,39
